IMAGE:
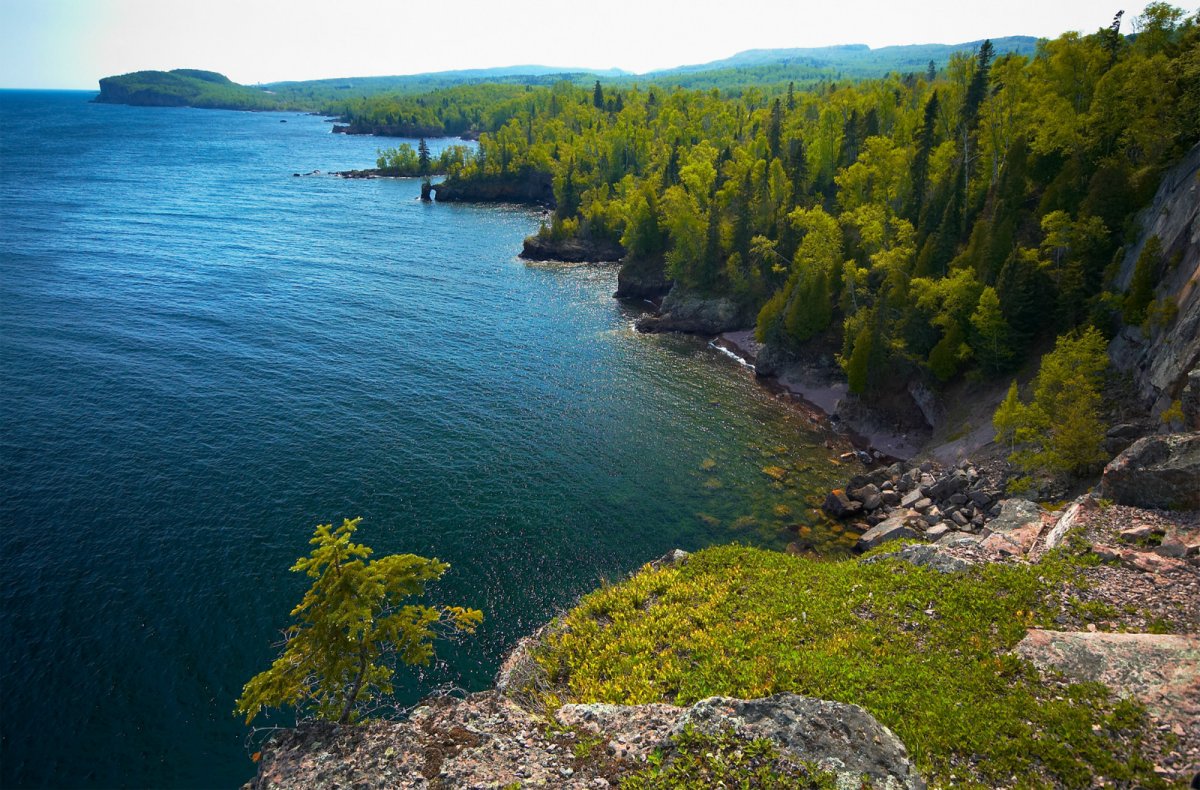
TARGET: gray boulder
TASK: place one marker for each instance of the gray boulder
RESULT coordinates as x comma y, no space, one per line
924,555
892,528
841,738
1156,472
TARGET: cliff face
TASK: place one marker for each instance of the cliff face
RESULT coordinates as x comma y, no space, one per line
1161,360
686,311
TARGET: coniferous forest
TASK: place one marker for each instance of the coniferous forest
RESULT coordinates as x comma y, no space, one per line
946,220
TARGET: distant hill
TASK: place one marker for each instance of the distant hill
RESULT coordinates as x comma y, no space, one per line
195,88
858,57
182,88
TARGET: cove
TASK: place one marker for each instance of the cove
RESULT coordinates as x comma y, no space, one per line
205,357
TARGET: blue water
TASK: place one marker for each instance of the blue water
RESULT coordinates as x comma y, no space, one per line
204,356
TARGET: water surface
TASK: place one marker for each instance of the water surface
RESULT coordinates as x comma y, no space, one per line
205,356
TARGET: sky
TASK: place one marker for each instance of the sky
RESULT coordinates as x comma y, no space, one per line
73,43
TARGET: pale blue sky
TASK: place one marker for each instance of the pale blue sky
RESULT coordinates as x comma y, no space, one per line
72,43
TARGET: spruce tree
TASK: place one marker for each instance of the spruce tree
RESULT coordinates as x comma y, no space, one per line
351,630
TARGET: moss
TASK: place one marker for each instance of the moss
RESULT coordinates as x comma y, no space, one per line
701,761
926,653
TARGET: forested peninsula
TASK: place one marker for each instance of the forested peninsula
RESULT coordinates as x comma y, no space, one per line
995,252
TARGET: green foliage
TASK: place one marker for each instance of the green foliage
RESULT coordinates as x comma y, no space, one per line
857,367
1060,430
926,653
699,761
991,335
350,629
814,202
1141,288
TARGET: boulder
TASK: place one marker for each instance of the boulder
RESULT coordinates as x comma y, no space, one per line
925,555
949,485
1156,472
838,505
893,528
868,495
837,737
1015,531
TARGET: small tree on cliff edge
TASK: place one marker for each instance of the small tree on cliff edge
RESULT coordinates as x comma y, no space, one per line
1061,430
350,630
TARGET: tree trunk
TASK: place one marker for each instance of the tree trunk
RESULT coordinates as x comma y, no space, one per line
355,689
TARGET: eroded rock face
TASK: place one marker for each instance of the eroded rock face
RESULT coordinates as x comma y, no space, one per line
1156,472
1161,361
685,311
486,740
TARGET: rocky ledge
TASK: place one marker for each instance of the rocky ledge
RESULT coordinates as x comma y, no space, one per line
531,188
686,311
571,250
486,740
642,278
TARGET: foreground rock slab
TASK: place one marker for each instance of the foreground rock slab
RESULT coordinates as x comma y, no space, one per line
1162,671
486,740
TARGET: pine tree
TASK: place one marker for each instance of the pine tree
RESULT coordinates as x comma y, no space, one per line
920,164
775,129
858,367
1141,287
1061,429
991,334
422,157
598,96
351,631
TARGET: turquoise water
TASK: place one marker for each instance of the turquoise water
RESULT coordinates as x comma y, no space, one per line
204,356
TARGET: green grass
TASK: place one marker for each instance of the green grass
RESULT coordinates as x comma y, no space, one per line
926,653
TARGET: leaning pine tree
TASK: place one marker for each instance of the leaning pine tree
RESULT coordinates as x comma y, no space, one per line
350,630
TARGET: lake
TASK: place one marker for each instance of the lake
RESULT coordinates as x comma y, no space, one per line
204,356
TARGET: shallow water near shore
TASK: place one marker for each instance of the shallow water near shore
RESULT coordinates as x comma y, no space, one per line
205,356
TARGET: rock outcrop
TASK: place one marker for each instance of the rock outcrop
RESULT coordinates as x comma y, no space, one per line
532,187
843,739
574,249
1162,671
1160,471
486,740
686,311
642,278
1160,362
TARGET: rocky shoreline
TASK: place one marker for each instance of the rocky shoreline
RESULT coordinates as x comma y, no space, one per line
1129,620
